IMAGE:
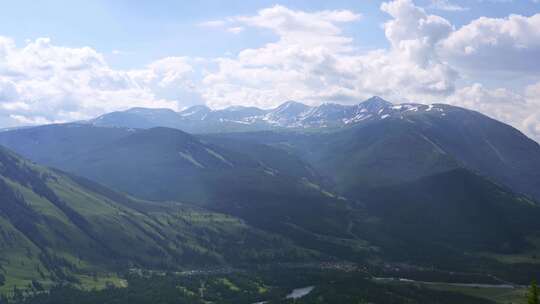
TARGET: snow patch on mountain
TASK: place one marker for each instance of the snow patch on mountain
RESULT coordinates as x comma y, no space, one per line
187,156
219,156
290,115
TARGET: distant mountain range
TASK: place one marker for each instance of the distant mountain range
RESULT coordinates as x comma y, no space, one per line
425,185
290,115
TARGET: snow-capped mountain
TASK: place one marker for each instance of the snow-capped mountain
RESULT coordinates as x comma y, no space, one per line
199,112
289,115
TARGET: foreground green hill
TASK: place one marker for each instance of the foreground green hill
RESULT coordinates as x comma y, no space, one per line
59,228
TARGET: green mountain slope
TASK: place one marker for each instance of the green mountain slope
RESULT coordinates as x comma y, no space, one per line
358,199
458,210
381,153
268,187
158,164
427,204
412,144
487,146
55,227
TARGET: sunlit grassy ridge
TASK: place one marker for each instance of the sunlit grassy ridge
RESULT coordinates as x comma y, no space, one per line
54,228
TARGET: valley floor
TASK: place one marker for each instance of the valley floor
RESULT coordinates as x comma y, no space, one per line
327,282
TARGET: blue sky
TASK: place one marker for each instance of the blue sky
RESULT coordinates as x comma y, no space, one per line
149,30
69,60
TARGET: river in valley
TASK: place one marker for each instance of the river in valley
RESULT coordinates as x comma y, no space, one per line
296,293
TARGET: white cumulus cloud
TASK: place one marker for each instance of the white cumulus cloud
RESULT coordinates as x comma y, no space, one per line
42,82
509,44
311,59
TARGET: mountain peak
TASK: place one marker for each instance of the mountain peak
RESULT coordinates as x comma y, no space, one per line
291,103
291,107
158,136
376,100
375,103
196,112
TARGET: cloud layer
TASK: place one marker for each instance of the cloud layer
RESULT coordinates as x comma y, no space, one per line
42,83
511,44
312,59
